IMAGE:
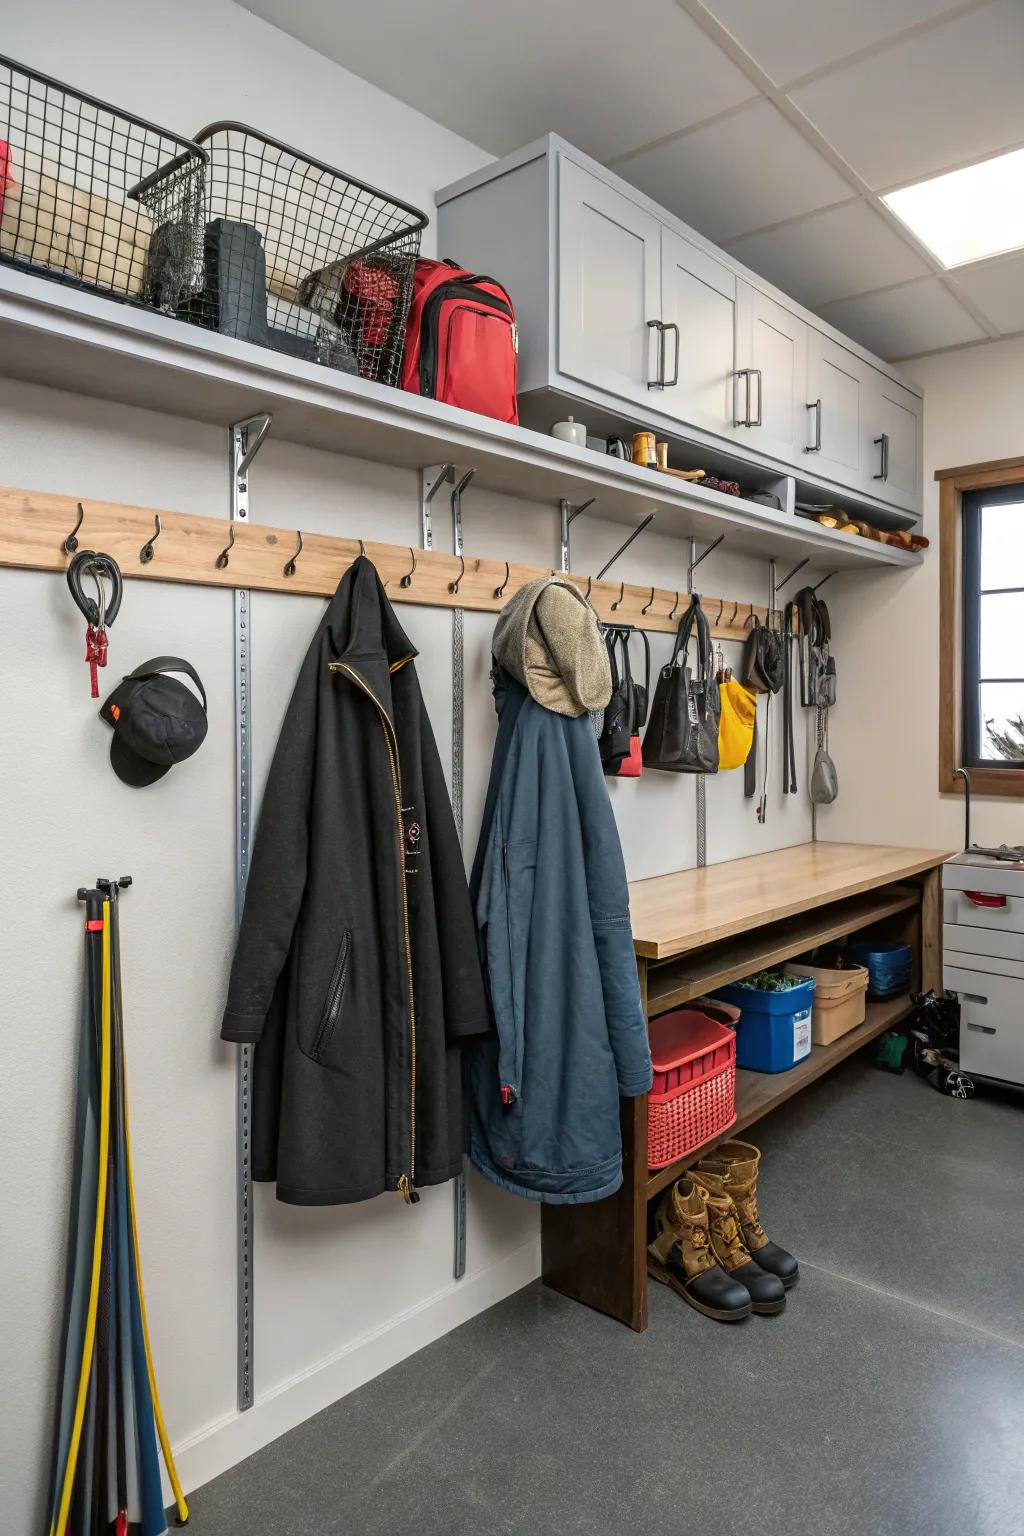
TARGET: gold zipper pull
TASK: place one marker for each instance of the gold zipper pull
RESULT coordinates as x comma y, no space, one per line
405,1189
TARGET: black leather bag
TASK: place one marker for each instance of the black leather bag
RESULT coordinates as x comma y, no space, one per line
762,659
626,711
613,742
683,734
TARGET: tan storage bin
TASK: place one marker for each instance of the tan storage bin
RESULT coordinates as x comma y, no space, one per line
840,999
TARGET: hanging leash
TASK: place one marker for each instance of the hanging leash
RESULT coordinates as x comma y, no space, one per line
99,612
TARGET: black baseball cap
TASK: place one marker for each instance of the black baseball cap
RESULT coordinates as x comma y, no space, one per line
157,721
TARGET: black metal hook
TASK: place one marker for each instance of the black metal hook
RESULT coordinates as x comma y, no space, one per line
289,569
146,552
362,547
500,591
735,611
590,583
721,606
70,544
618,600
222,558
406,580
648,605
453,586
675,605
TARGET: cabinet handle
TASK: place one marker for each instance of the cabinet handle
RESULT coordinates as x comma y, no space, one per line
744,420
883,442
757,420
985,899
815,406
659,382
674,380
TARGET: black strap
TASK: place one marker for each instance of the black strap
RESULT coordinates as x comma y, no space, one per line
170,664
750,766
695,615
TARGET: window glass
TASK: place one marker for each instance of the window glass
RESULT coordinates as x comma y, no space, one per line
1001,616
1002,546
1001,732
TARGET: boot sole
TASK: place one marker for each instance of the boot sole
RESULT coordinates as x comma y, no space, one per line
666,1277
791,1281
769,1308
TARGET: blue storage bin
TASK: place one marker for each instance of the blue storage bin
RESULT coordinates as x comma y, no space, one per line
889,963
774,1029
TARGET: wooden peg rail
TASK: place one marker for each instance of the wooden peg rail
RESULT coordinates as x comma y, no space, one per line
34,525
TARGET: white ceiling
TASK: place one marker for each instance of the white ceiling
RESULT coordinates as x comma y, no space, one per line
772,126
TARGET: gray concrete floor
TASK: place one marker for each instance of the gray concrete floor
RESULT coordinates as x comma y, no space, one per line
888,1399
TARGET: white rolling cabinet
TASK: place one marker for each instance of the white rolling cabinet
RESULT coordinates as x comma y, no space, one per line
983,961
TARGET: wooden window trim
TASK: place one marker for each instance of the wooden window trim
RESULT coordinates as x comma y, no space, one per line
952,485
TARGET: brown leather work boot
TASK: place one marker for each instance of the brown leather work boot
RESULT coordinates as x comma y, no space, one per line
767,1294
737,1162
681,1256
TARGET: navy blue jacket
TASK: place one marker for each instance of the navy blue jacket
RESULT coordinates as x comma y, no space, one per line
552,910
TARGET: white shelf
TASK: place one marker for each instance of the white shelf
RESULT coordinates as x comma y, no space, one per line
59,336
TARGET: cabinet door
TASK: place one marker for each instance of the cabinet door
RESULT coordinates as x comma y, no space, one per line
838,386
698,310
609,286
892,443
771,381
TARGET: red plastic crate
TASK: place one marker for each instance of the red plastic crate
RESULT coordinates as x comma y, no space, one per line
694,1094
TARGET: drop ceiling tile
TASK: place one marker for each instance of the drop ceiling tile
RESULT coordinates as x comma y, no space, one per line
944,98
738,174
606,78
997,287
789,38
919,317
829,255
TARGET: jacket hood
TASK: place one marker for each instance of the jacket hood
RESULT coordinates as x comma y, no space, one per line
363,633
549,640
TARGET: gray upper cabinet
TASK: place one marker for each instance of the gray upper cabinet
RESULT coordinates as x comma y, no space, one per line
893,442
697,336
838,384
609,286
639,321
771,375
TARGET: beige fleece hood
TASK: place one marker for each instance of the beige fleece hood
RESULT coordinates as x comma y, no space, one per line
549,640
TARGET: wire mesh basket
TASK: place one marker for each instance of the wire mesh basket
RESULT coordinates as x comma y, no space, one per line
301,258
78,199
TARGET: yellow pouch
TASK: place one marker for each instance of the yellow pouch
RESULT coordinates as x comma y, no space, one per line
735,724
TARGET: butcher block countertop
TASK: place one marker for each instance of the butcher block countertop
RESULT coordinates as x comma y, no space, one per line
674,913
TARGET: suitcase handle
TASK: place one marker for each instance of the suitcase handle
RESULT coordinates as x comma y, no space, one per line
985,898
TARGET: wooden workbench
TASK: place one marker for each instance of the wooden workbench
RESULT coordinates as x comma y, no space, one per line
696,930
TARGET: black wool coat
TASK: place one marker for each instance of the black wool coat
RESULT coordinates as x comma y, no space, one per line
356,972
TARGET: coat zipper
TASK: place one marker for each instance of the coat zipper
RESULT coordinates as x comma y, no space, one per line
406,1180
335,993
431,318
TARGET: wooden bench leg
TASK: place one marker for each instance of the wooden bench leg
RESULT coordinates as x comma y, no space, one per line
597,1253
931,932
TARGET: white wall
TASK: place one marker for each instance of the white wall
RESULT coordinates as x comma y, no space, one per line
340,1293
885,726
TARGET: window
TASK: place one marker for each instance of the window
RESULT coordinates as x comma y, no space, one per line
981,626
992,707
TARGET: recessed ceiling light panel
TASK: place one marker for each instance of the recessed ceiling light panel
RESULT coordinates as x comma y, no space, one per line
968,214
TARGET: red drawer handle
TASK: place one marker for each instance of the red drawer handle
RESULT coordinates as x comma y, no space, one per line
985,898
